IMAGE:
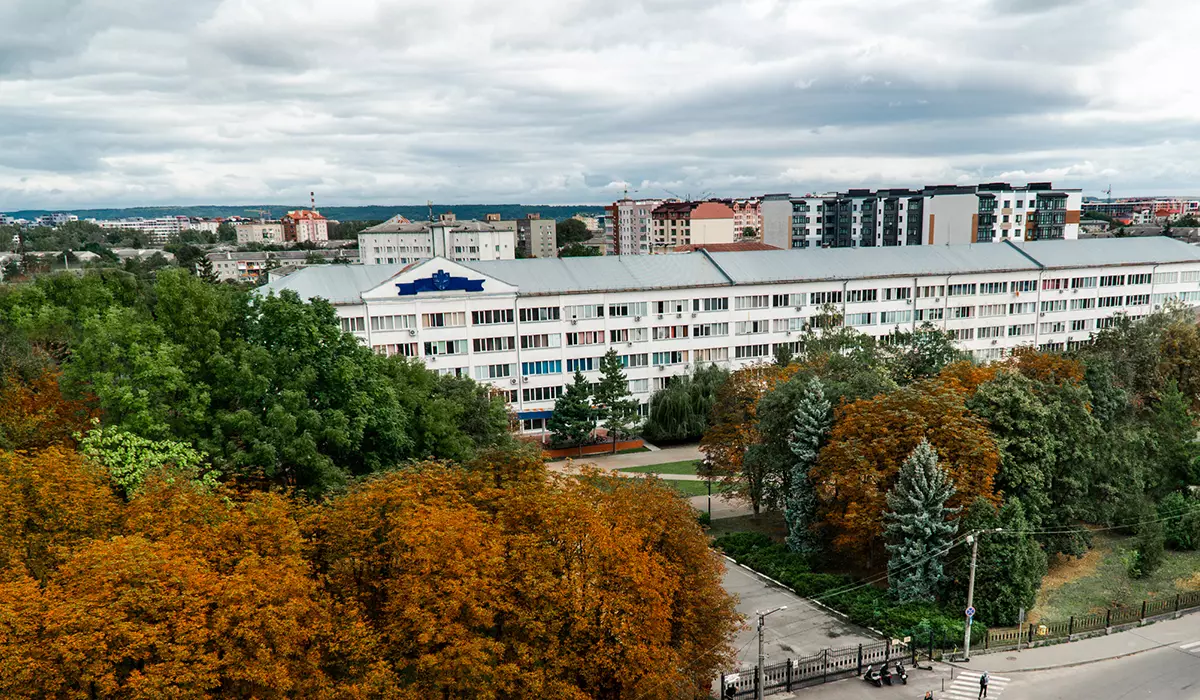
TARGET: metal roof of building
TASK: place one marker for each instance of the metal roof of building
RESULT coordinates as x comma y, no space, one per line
610,273
816,264
1142,250
337,284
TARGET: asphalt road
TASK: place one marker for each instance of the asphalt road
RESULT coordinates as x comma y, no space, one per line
1169,673
800,630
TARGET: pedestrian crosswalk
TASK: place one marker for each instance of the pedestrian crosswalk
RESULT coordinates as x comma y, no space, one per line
966,686
1191,648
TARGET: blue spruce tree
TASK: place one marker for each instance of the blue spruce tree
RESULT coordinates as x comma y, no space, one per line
918,528
809,432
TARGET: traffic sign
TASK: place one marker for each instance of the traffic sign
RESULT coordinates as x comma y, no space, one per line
971,611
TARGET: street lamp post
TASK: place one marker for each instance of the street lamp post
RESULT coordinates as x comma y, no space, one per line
758,671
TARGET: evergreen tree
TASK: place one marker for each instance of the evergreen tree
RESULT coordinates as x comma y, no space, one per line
918,526
573,417
1010,567
1174,441
811,423
204,270
616,406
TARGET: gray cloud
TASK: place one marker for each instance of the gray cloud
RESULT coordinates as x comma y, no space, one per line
366,101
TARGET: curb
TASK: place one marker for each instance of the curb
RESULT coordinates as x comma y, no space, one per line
1072,664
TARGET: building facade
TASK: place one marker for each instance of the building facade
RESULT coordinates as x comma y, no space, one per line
305,226
259,232
525,326
158,230
685,223
934,215
396,243
747,218
629,226
537,237
250,267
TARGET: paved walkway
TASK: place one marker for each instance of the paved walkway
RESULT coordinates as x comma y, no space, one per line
641,459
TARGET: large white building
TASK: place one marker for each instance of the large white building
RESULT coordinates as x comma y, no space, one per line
630,226
525,326
158,230
935,215
398,241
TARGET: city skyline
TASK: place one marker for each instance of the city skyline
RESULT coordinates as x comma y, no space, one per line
570,103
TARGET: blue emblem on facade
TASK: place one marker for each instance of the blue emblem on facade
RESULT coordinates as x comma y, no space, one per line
440,281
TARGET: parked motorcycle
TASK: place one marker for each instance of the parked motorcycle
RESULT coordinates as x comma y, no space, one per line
872,677
885,674
900,674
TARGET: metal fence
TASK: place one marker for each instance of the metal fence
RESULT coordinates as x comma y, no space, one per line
1034,634
829,664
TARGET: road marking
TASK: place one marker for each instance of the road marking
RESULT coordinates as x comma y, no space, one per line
1189,646
966,686
975,676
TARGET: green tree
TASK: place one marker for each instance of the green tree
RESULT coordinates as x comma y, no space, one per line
749,232
811,421
918,526
1175,450
680,411
1149,548
205,271
226,233
913,355
574,418
1180,515
578,250
618,410
1010,566
130,458
570,231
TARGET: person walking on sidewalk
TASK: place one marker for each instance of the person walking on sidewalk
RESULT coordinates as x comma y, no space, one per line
983,681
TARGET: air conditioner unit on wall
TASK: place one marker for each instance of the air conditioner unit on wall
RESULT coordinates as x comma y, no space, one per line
574,322
525,380
412,333
513,380
636,319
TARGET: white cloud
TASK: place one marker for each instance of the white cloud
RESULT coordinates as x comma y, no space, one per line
382,101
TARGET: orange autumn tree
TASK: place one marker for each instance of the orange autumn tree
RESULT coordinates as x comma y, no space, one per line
733,429
967,375
872,438
1047,367
35,414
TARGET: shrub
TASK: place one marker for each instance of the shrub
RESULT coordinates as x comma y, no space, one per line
1150,544
1182,533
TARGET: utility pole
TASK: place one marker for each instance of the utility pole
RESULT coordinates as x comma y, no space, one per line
758,670
974,540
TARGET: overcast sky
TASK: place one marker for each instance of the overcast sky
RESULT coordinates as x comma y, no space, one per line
127,102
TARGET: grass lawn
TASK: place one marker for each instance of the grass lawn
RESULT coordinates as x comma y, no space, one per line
687,489
1100,580
688,466
769,523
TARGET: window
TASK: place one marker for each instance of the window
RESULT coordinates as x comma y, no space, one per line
789,324
751,327
938,290
1025,307
633,308
712,355
859,296
962,312
1020,330
931,314
585,312
1109,302
760,301
991,332
639,386
744,352
544,340
1080,304
894,318
449,319
353,324
446,347
1137,300
1139,279
638,360
780,301
1053,306
669,332
493,371
674,306
541,393
1082,324
993,288
822,298
583,364
864,319
1053,327
897,293
405,349
709,330
1055,283
393,323
986,354
1112,281
1193,276
628,335
585,338
1083,282
963,333
491,317
1166,278
498,344
962,290
1106,322
988,310
1024,286
793,347
711,304
674,357
539,314
541,367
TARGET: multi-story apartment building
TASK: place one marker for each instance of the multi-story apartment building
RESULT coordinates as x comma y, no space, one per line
934,215
683,223
537,237
259,232
159,230
629,226
305,226
747,216
1162,208
395,242
524,326
250,267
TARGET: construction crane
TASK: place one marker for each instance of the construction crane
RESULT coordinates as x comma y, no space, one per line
1108,193
262,214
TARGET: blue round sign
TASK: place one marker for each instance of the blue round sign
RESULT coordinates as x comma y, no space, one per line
971,611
